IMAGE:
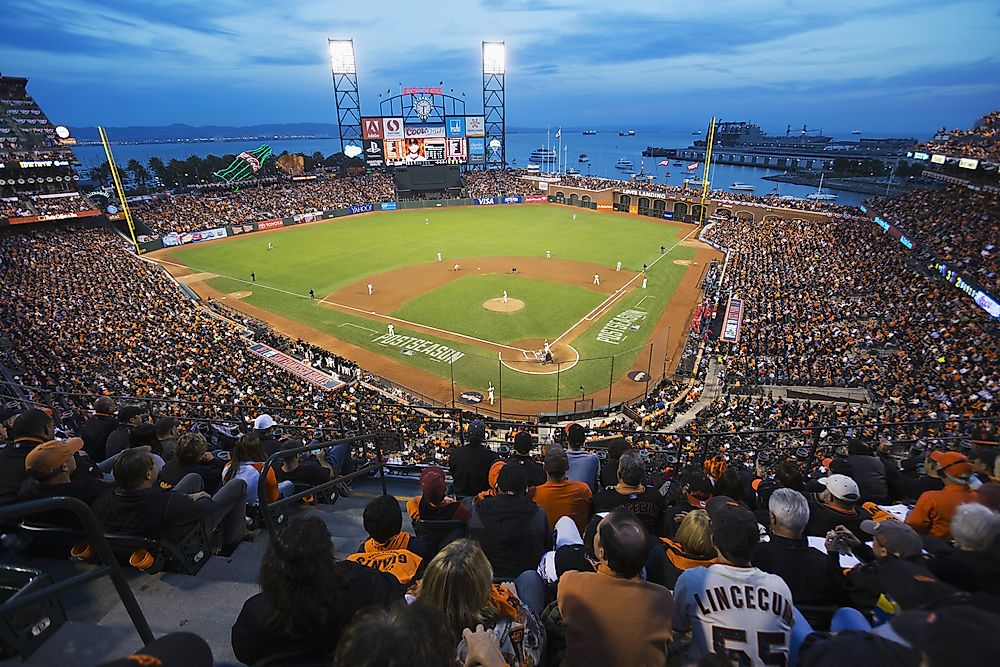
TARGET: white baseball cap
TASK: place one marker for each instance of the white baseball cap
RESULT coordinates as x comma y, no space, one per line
263,422
841,487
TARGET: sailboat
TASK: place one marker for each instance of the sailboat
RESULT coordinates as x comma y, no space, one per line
819,195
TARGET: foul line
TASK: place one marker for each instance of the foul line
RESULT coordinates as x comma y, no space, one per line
356,326
643,299
239,280
605,305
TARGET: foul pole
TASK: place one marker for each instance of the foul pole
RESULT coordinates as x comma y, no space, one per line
118,188
708,164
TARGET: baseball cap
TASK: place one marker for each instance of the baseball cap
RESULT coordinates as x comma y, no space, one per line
897,537
734,528
841,487
576,434
179,649
912,586
522,442
30,423
164,424
512,480
263,422
9,410
48,456
127,412
953,463
477,430
432,483
953,635
699,489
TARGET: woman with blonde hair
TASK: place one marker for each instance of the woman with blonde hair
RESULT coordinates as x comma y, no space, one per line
691,547
459,583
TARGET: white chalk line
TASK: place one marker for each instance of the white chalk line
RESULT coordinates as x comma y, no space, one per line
357,326
559,368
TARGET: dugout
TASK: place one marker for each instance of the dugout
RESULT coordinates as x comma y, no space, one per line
432,181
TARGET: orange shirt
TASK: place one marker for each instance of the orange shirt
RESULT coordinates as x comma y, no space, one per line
934,509
392,557
565,498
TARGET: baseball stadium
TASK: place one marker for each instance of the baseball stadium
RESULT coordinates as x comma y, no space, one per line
409,403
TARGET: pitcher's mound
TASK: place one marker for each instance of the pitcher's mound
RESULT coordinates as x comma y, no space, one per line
497,305
240,295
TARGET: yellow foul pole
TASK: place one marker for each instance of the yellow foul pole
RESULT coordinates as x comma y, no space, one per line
708,164
118,188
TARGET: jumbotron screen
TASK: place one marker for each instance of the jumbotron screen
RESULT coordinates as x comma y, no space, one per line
390,142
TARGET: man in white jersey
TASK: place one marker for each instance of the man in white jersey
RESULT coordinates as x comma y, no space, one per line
732,608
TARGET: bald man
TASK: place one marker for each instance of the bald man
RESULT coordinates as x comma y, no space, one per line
96,430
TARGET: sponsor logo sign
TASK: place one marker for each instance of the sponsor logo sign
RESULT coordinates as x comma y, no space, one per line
455,126
240,229
638,376
388,206
362,208
471,397
605,207
207,235
171,239
477,150
392,128
484,201
937,159
733,322
423,132
968,163
511,199
296,367
921,156
371,128
53,216
614,331
374,153
457,149
535,199
436,351
270,224
475,126
643,193
306,217
668,215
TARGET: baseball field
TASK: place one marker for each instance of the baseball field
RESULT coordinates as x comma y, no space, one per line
447,312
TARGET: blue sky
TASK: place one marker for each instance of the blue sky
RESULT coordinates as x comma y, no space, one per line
880,65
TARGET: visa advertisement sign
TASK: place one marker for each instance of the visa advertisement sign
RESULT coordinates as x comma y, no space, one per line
484,201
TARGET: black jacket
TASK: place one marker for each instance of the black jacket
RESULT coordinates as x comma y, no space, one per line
152,512
823,519
648,506
211,473
513,532
532,470
117,440
869,473
470,468
813,577
95,434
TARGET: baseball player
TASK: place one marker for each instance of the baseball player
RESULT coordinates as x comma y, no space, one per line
548,254
427,221
392,330
546,347
269,245
597,279
618,266
253,277
489,393
644,280
371,289
439,257
574,217
505,296
312,294
663,249
456,268
644,267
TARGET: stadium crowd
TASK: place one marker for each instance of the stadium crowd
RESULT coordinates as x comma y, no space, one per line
494,183
982,141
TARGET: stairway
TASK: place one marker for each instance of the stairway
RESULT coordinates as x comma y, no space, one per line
207,604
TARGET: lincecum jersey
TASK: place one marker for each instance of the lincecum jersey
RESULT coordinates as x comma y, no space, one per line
742,613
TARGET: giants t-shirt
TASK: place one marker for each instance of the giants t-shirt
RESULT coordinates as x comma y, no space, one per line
742,613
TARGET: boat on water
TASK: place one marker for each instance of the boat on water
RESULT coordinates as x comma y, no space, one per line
589,133
533,168
696,132
626,133
819,195
678,163
855,131
583,158
573,171
543,155
744,187
624,164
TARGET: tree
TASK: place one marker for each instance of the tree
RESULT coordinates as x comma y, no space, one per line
100,173
139,173
159,169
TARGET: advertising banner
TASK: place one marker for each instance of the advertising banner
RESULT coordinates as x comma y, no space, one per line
371,128
270,224
457,149
733,321
434,150
968,163
633,209
455,126
537,199
937,159
53,216
296,367
494,146
388,206
511,199
605,207
392,128
423,132
668,215
362,208
240,229
484,201
207,235
477,150
374,153
475,126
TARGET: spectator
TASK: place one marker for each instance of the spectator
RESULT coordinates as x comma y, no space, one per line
307,599
246,463
470,464
732,605
934,510
868,471
523,444
129,416
400,635
635,628
695,494
630,492
954,635
191,455
263,427
609,466
973,565
97,428
459,582
691,547
30,429
304,470
583,466
559,496
388,547
814,578
166,432
140,507
512,530
144,435
836,505
432,503
51,465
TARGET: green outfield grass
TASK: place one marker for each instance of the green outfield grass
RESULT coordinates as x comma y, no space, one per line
327,256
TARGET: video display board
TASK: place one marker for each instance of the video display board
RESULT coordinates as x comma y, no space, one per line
391,141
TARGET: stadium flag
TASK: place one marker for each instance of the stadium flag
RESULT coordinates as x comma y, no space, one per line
663,163
693,166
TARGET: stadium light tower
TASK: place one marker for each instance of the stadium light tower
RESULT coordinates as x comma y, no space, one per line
495,102
345,91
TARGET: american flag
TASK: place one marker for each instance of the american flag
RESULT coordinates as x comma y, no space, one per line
663,163
693,166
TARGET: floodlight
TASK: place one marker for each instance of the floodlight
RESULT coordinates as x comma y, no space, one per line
494,54
342,56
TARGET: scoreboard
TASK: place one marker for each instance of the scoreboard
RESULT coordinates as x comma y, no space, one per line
390,142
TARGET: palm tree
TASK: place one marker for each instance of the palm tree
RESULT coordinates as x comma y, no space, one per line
138,172
101,173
